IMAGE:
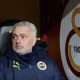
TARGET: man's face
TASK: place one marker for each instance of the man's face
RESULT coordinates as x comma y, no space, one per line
22,39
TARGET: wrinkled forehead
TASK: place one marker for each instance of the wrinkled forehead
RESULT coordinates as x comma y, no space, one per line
21,29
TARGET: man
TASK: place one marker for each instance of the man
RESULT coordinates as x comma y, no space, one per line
26,59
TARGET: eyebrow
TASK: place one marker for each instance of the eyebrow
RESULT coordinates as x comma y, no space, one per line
19,34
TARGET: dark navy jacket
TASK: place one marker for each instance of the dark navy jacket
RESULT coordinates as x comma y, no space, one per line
31,66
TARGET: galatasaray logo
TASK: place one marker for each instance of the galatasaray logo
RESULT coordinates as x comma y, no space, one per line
72,46
41,65
70,40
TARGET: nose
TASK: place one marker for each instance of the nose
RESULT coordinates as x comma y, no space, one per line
18,40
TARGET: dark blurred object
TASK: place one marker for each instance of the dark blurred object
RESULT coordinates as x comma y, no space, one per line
51,12
44,37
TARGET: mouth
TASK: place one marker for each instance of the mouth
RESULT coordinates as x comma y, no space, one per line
19,47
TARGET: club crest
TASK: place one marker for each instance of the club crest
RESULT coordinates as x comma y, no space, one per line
41,65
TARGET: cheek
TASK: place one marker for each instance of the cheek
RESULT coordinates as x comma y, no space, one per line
28,42
13,42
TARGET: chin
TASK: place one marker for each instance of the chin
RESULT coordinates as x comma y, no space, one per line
19,51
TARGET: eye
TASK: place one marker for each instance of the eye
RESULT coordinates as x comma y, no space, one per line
23,36
14,36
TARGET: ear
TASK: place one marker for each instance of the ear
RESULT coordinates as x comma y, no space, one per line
34,40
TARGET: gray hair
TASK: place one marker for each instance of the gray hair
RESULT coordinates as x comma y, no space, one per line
29,25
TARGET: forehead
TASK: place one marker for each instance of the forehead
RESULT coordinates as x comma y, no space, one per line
21,29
